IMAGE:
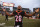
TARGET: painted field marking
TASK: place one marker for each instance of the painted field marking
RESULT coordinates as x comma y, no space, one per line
8,26
2,24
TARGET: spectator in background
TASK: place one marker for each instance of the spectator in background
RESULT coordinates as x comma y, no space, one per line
6,16
37,13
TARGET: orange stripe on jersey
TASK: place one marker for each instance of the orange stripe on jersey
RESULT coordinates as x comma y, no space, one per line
25,12
38,8
18,12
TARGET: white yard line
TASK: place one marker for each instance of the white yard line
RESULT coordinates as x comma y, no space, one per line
8,26
11,18
0,15
2,24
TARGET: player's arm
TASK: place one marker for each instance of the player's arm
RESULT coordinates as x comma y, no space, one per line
26,15
29,14
32,14
9,14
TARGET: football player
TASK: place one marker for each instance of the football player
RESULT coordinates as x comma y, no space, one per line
19,16
6,16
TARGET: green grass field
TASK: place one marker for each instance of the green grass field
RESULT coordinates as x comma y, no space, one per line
26,22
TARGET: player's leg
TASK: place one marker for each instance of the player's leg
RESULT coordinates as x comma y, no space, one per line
6,18
20,25
15,24
39,16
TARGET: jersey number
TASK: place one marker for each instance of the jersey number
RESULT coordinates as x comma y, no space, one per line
18,18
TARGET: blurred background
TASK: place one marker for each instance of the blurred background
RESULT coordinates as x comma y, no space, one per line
29,6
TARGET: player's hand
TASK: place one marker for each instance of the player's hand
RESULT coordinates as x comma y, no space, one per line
38,15
37,10
4,10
